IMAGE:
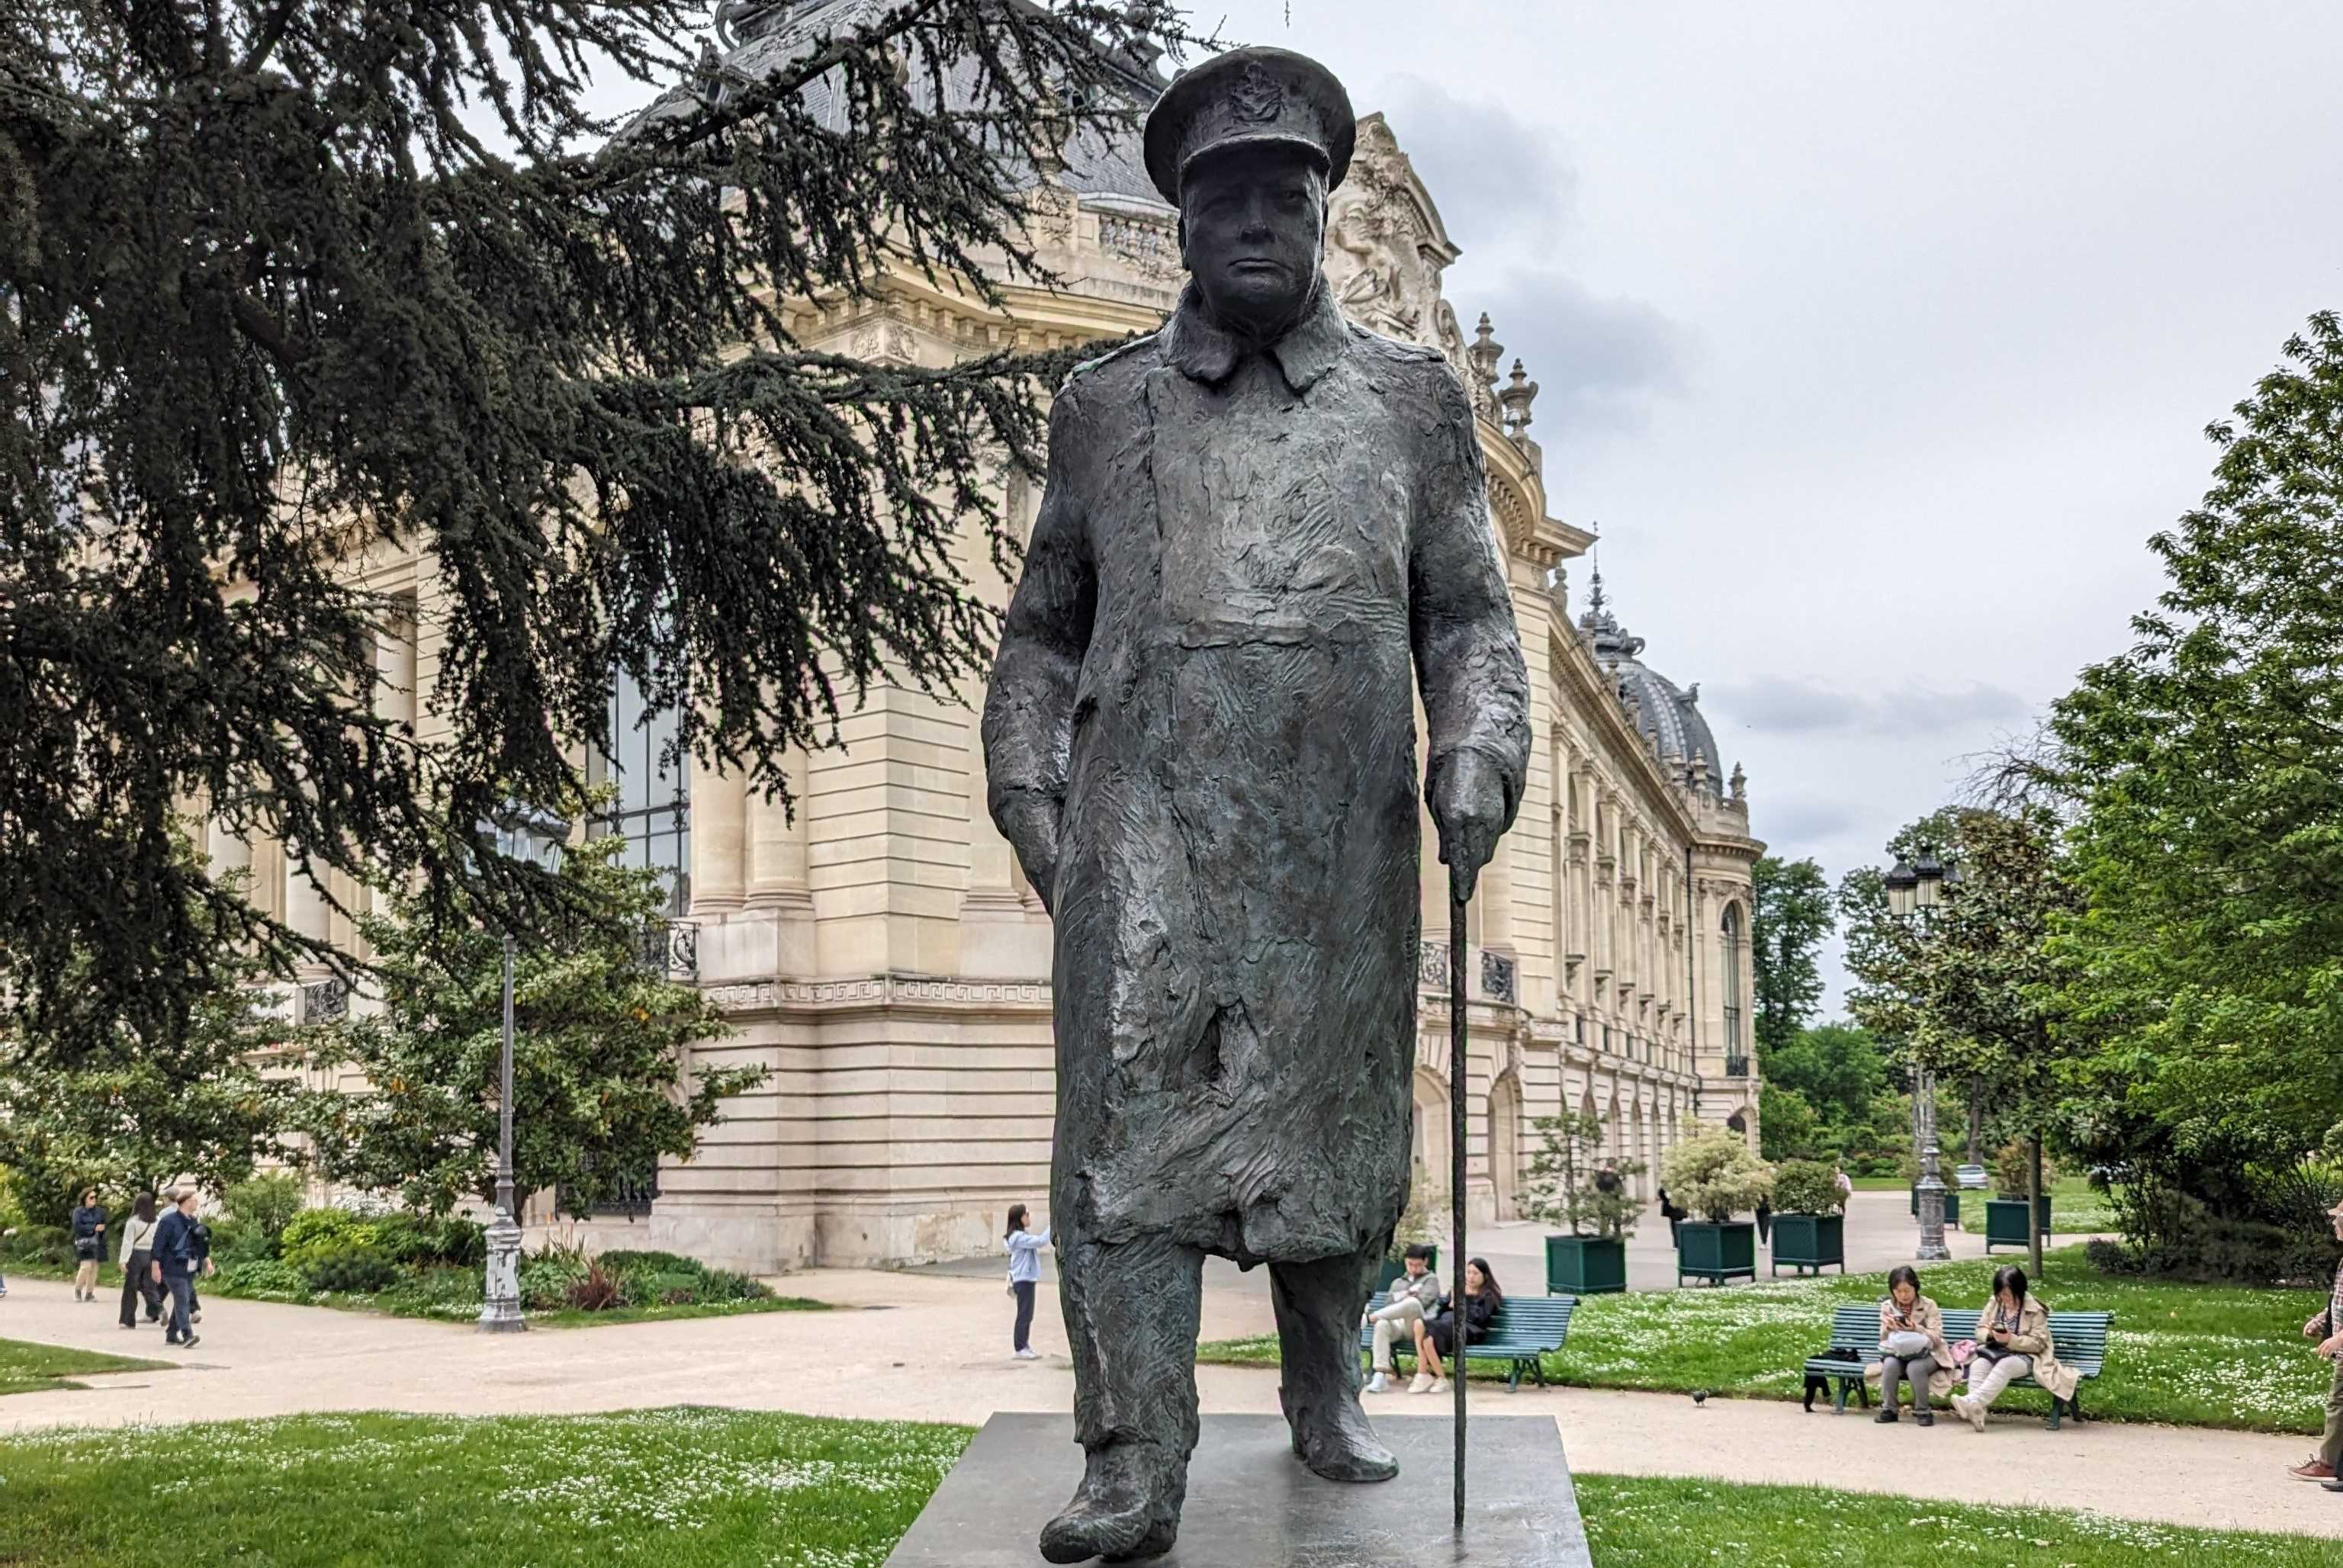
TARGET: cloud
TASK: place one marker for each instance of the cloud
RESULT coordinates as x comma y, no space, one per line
1781,705
1797,825
1509,195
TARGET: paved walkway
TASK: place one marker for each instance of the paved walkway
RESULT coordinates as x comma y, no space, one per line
930,1348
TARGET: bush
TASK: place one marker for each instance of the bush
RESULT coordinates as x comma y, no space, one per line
353,1270
1567,1179
39,1247
597,1292
1715,1177
725,1285
239,1241
314,1232
265,1279
546,1277
1805,1187
2013,1163
266,1203
445,1292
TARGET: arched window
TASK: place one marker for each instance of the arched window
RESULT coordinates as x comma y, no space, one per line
1737,1051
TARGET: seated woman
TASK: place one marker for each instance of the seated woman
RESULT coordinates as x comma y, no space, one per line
1912,1348
1437,1337
2013,1341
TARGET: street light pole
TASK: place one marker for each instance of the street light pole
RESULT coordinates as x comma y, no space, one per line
519,833
1920,890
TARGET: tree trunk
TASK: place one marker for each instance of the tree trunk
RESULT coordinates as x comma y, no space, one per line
1976,1120
2033,1205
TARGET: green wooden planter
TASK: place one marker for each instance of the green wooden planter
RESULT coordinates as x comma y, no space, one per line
2005,1222
1952,1204
1393,1269
1586,1265
1809,1241
1715,1253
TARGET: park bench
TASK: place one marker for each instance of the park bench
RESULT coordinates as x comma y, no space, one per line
2080,1340
1524,1328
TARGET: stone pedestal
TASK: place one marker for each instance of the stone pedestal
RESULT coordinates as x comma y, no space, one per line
1250,1504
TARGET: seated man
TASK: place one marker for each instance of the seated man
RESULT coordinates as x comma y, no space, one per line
1414,1296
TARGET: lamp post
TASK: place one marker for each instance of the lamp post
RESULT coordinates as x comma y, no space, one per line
520,832
1919,892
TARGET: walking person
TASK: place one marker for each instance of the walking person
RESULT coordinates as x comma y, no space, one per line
1436,1338
1912,1349
88,1245
138,1261
172,1267
1414,1299
1024,1248
2327,1328
199,1259
2013,1342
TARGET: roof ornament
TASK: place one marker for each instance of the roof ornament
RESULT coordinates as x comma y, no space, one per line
1740,785
1517,397
1485,356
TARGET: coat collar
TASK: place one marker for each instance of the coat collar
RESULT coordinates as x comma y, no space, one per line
1204,351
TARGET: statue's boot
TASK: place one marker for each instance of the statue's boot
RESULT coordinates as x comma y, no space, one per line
1127,1506
1318,1307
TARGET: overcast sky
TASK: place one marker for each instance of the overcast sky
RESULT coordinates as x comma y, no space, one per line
1877,339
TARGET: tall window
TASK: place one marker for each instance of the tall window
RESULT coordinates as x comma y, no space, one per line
1733,1049
653,809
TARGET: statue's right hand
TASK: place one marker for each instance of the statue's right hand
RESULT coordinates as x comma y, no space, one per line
1030,823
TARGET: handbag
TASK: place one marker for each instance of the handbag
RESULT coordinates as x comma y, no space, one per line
86,1248
1906,1344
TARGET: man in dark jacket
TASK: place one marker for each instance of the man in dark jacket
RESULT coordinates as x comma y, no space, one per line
174,1265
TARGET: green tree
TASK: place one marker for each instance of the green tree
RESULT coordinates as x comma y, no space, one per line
1973,991
2206,762
1788,1126
281,280
1838,1067
1790,918
601,1090
193,1100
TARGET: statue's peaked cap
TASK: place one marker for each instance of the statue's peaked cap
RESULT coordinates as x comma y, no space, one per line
1255,96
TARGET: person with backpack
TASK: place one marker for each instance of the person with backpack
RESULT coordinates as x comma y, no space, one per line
173,1264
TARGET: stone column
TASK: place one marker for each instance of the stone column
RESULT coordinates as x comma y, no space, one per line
719,831
779,861
227,852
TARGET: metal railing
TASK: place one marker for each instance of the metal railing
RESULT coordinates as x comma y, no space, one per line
670,948
324,1001
1736,1067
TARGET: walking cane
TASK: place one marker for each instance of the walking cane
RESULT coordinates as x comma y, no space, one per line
1457,1084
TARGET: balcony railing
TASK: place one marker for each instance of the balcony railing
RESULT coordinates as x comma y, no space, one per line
1736,1067
324,1001
670,948
1500,976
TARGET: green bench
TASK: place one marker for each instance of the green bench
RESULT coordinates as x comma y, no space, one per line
1524,1328
2080,1340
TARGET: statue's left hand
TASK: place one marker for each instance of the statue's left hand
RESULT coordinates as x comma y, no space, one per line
1468,807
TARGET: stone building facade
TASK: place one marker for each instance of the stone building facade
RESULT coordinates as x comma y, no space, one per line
881,952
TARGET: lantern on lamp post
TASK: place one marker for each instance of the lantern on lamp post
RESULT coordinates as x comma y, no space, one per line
1919,892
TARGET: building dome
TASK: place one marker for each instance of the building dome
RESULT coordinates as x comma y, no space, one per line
1669,714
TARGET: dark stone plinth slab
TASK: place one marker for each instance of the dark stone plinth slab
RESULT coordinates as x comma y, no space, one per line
1250,1504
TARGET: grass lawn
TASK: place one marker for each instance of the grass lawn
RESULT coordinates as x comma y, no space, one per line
699,1488
27,1368
2075,1209
2192,1355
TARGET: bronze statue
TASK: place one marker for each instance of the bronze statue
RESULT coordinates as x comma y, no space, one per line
1201,740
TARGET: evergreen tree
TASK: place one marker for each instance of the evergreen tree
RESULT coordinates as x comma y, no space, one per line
601,1085
284,280
1790,918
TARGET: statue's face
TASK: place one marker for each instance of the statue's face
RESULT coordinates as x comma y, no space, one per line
1253,228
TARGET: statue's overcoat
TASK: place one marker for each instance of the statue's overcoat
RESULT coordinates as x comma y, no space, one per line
1240,554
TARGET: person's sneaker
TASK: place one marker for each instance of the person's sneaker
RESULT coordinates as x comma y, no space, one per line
1439,1385
1376,1384
1885,1418
1926,1418
2333,1485
1028,1355
190,1343
1969,1410
1421,1382
194,1317
2313,1468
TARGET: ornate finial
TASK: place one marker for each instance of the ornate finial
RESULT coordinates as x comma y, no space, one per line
1557,590
1140,19
1517,397
1740,785
1485,355
1699,770
1692,694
